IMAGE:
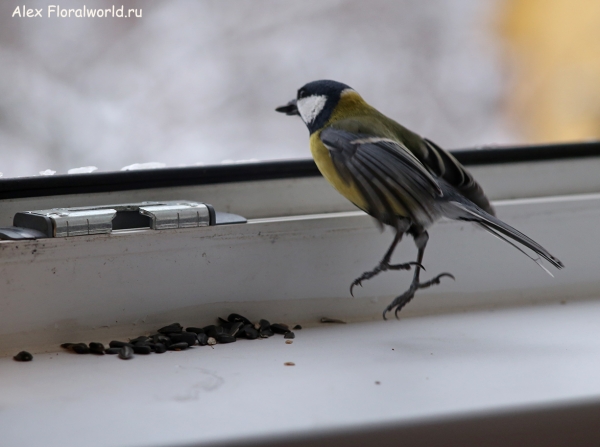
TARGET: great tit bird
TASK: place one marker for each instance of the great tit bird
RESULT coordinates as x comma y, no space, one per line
401,179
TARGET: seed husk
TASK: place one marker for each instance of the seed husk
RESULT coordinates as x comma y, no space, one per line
332,320
289,334
195,330
112,351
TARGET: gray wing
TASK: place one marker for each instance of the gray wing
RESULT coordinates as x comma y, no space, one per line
444,165
389,177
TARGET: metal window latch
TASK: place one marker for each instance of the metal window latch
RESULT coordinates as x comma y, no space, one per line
68,222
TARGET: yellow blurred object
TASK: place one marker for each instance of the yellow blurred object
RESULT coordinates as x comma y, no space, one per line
555,48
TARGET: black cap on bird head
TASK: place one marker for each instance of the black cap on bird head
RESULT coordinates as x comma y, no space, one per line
315,102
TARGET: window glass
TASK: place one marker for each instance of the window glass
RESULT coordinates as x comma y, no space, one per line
180,83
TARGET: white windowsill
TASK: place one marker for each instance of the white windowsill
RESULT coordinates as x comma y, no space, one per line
495,341
429,368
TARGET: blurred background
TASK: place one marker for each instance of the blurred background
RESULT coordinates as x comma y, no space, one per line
196,81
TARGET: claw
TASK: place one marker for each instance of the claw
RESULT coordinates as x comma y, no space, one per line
436,280
355,283
396,313
382,267
401,300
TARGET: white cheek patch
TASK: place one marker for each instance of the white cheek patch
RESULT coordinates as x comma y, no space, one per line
310,107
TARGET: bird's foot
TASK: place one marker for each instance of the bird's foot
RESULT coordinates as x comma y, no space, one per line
400,301
382,267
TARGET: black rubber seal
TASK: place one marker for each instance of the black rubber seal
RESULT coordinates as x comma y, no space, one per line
12,188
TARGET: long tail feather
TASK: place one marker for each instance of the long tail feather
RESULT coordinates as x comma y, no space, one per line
495,226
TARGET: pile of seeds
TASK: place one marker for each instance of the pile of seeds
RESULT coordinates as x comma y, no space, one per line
175,338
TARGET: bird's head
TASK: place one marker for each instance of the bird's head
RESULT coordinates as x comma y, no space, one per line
316,102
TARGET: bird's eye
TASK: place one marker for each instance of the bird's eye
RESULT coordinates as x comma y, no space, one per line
302,93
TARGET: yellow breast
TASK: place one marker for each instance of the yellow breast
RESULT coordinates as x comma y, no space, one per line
323,160
325,164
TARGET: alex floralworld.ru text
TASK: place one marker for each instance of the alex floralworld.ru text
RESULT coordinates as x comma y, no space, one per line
55,11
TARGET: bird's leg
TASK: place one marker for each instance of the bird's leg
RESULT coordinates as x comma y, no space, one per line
384,265
400,301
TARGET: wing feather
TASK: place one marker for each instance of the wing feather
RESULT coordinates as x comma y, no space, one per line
448,167
389,177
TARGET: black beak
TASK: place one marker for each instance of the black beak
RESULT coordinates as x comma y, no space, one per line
289,109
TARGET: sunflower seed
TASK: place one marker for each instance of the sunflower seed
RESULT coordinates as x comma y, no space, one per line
188,337
119,344
23,356
234,318
142,349
248,331
289,334
266,333
173,328
126,352
161,338
178,346
80,348
226,338
159,348
233,328
202,339
213,331
97,348
280,328
263,324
